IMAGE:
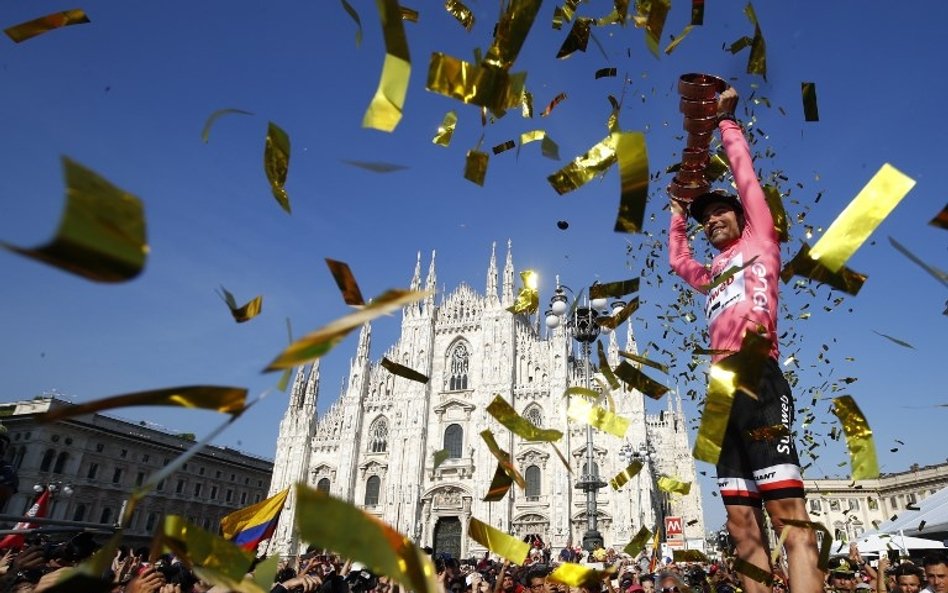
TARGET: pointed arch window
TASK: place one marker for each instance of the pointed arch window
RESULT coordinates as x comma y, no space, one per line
372,487
459,362
532,476
535,415
323,485
378,436
454,440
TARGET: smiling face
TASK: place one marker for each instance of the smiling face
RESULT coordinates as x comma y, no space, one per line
722,224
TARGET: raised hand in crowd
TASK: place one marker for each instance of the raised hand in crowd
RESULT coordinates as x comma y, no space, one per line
49,579
148,581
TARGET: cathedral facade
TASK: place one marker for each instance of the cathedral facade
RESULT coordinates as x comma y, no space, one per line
375,445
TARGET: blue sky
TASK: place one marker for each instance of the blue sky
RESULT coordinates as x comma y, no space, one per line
128,94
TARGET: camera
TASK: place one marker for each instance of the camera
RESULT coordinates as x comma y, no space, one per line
360,581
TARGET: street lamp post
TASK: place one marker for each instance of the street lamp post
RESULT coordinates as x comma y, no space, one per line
582,324
55,489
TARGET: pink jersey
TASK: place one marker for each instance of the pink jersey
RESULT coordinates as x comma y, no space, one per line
748,299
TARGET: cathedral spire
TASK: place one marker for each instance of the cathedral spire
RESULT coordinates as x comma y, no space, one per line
431,283
508,296
613,349
312,388
492,273
416,279
365,340
630,345
296,393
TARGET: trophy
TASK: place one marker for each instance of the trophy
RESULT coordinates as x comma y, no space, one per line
699,105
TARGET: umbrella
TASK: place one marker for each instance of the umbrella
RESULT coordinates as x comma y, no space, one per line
877,543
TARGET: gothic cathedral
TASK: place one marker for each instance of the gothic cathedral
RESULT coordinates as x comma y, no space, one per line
375,445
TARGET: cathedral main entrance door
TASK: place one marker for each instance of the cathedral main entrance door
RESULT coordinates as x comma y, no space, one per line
447,536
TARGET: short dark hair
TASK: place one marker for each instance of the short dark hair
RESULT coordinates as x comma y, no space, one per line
903,570
935,558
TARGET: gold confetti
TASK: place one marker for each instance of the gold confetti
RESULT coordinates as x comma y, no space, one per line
862,449
753,571
638,542
825,545
403,371
409,14
577,575
548,147
633,176
678,39
614,290
498,542
810,111
777,212
204,551
206,132
526,105
528,299
285,376
768,433
321,341
446,129
101,235
355,17
576,40
727,275
475,166
385,110
588,413
556,101
585,167
623,477
245,313
757,61
504,147
503,457
462,13
504,413
803,265
697,12
326,522
655,22
484,86
935,272
440,457
867,210
512,29
44,24
346,282
227,400
689,556
636,379
614,321
714,418
499,486
605,369
376,167
276,163
605,73
673,485
941,219
643,360
896,340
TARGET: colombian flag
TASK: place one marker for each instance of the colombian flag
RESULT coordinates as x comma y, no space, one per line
251,525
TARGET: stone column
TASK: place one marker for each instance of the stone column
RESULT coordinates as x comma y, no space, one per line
465,519
426,534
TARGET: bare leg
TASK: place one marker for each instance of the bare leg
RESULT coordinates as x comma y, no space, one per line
745,524
800,544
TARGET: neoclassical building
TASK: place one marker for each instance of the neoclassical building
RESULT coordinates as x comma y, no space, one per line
375,444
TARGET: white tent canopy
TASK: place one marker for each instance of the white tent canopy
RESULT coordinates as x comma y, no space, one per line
932,510
879,543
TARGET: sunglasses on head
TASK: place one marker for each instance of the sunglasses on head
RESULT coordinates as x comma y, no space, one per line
673,589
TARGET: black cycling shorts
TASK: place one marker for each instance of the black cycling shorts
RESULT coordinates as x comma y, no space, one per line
755,467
